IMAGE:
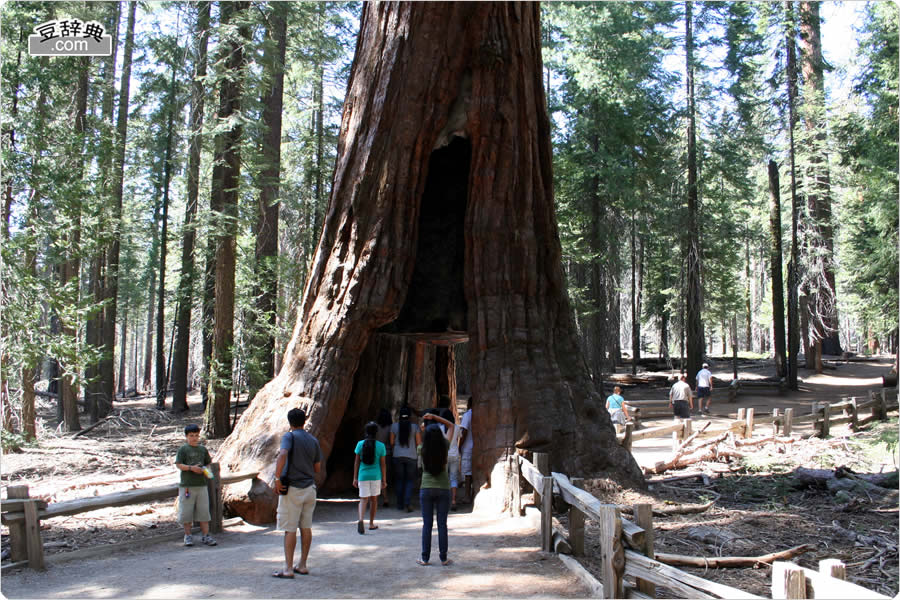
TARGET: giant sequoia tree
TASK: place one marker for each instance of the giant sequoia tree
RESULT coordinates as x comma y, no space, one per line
442,220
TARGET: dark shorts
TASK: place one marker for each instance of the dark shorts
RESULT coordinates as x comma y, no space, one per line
703,392
682,409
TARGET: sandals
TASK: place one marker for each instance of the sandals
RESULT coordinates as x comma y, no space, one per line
360,528
282,575
447,563
419,561
373,527
301,571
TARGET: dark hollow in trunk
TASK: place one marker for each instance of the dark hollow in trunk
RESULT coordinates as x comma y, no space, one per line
441,227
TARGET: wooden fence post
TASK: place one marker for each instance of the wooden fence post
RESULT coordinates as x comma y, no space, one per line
788,421
748,430
34,547
876,406
547,514
542,462
216,501
741,414
516,484
788,581
833,568
826,420
854,414
576,522
17,549
882,405
775,424
629,430
643,518
612,553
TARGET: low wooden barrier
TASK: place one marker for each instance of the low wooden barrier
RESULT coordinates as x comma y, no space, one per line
823,417
736,385
626,547
23,514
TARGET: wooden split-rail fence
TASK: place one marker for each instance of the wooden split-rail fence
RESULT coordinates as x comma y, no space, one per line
626,547
23,514
849,410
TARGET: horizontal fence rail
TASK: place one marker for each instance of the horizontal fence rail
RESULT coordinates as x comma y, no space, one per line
23,514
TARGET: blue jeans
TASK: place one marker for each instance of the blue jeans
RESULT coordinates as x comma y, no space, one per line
432,498
404,479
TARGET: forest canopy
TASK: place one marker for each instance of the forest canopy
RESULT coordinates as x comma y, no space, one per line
161,205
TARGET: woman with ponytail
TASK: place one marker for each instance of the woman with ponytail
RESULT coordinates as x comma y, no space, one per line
434,493
367,475
405,437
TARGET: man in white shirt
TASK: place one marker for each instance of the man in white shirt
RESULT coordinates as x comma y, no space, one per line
681,399
466,444
704,388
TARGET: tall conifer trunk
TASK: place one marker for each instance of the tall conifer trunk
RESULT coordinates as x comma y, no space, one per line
694,326
444,155
775,257
216,419
186,283
793,308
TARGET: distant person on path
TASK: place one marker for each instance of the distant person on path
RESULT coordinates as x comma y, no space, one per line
681,399
434,493
704,388
385,421
466,445
367,475
193,497
299,459
405,436
615,404
452,457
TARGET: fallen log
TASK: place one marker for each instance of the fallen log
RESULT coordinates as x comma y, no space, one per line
684,509
691,459
124,479
766,440
90,427
718,562
804,477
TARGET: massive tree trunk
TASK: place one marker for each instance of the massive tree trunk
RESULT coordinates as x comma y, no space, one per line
777,277
186,282
441,224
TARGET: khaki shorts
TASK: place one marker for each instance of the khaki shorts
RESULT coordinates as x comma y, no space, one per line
295,509
193,504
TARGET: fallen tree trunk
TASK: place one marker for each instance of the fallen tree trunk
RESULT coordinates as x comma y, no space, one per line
718,562
684,509
691,459
804,477
781,440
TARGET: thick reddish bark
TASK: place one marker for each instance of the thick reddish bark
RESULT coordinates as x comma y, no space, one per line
444,117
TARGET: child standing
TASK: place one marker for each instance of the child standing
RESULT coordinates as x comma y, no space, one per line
367,475
193,499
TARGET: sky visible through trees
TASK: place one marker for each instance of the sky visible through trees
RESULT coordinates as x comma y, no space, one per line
615,75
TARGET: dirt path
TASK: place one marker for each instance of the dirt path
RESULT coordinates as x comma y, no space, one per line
494,556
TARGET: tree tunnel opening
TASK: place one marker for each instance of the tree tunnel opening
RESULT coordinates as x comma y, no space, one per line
435,300
411,360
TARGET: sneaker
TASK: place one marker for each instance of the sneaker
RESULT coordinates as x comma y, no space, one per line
208,540
188,540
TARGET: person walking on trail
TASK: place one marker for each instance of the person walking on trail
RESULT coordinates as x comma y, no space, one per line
434,493
405,437
193,496
615,404
368,471
466,445
299,459
704,389
385,421
681,399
